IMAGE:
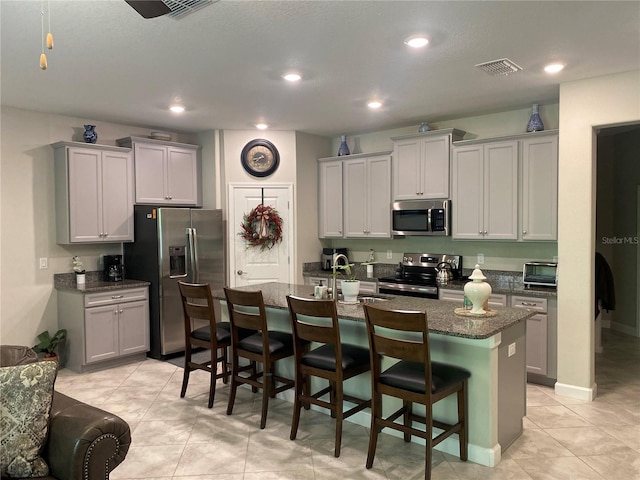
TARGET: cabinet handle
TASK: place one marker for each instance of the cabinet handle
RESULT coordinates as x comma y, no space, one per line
480,232
524,232
528,304
115,297
120,311
170,197
485,232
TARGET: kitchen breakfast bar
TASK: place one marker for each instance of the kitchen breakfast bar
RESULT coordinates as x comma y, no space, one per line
492,349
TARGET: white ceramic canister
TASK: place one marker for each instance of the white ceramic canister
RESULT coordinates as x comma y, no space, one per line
477,290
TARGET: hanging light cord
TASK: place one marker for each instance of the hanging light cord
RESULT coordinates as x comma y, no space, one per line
49,38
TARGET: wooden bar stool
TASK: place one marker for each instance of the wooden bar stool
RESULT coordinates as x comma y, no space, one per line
197,304
317,321
414,379
247,312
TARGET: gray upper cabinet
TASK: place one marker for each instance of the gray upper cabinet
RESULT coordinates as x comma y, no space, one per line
506,189
540,188
354,196
485,191
367,196
421,164
330,199
166,173
94,193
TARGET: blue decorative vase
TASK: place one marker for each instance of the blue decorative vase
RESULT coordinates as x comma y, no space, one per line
344,148
535,122
90,135
424,127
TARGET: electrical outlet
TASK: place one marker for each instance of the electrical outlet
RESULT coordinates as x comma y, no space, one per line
44,263
480,260
389,254
512,349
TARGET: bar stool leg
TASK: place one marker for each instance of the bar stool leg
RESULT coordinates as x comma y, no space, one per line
408,409
376,412
297,405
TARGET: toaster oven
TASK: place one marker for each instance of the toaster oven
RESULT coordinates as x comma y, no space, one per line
540,274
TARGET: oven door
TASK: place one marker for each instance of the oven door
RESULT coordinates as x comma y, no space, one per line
423,291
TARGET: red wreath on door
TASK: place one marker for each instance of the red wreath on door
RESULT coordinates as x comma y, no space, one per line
261,227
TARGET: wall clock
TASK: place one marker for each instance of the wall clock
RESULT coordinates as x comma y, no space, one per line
260,158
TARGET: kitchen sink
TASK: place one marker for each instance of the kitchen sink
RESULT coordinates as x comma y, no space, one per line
368,297
371,298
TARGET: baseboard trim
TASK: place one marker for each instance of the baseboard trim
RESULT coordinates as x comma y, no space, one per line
573,391
622,328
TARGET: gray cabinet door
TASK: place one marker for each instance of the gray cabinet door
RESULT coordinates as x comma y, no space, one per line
133,327
101,333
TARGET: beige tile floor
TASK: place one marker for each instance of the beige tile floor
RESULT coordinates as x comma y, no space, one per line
182,439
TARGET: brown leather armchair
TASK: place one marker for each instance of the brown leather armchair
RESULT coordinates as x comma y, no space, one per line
84,442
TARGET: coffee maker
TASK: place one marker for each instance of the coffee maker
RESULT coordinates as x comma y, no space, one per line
326,260
113,268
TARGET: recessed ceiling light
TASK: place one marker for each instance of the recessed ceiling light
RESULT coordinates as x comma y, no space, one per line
292,77
553,68
374,104
262,126
417,41
176,108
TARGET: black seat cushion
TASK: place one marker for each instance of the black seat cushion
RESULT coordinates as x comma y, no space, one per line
278,342
410,376
324,357
222,334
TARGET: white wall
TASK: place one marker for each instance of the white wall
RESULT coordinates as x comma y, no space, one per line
27,230
607,100
309,149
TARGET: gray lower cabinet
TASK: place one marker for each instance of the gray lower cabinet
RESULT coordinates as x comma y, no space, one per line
105,326
541,337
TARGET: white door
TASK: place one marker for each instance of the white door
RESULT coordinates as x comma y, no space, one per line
249,264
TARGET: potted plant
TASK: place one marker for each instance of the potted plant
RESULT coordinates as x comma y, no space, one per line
78,268
350,285
48,344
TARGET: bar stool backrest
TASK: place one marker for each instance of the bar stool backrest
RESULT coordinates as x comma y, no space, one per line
403,335
246,311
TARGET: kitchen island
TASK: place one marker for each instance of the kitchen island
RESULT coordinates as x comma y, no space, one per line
492,349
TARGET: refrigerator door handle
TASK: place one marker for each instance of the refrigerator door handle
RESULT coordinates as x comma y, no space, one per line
193,252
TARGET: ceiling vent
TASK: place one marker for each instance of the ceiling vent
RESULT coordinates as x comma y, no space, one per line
180,8
503,66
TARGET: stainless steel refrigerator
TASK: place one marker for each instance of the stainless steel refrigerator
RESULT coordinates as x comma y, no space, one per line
174,244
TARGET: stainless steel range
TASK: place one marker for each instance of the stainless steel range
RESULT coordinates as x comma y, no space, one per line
416,275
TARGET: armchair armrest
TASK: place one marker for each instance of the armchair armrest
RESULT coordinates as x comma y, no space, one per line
85,442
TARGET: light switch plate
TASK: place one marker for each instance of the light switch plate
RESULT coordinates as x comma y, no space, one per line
512,349
389,254
44,263
480,259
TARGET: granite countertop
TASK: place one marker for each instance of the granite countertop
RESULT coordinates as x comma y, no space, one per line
94,283
440,315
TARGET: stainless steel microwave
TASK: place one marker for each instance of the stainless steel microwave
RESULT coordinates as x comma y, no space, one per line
421,217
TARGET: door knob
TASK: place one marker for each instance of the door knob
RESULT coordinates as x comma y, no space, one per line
239,272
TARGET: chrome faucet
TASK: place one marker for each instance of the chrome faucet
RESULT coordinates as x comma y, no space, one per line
332,285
